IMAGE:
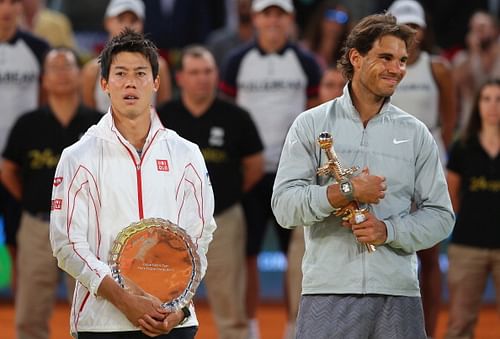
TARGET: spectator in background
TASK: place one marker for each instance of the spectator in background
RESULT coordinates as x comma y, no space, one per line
121,14
326,32
479,62
449,22
232,150
332,84
223,40
85,16
426,92
28,171
174,24
51,25
474,185
21,56
275,80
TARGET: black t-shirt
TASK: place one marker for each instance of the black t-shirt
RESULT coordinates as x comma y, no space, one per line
225,134
35,144
478,220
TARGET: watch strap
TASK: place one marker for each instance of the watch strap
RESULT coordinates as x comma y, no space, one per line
187,313
347,189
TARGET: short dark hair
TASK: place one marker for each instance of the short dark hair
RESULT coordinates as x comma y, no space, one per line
128,41
194,50
369,30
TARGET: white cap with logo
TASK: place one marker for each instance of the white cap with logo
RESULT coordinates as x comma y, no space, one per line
117,7
408,12
260,5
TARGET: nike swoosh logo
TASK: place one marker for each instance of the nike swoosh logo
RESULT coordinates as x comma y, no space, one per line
397,142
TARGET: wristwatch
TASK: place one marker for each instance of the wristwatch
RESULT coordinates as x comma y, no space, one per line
187,314
347,189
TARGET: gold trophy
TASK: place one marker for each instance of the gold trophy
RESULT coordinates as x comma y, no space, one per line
157,257
334,169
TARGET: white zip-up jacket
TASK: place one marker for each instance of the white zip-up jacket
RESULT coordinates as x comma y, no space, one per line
101,186
393,144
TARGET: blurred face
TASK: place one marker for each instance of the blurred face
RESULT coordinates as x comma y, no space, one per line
245,11
273,24
130,84
334,21
419,36
198,77
483,28
489,105
9,12
382,68
331,85
31,5
116,24
61,74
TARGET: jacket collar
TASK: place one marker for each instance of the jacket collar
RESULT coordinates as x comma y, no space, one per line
348,106
107,129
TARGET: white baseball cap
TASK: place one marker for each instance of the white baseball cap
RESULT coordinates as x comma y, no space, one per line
260,5
117,7
408,12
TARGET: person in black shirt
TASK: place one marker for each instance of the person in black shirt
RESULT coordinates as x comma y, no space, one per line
30,157
232,150
474,184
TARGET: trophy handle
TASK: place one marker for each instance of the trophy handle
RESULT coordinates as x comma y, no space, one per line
334,169
359,217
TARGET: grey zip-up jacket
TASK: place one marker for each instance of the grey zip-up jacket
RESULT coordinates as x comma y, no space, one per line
394,144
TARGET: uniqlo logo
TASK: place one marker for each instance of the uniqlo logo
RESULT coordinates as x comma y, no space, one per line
57,181
162,165
56,204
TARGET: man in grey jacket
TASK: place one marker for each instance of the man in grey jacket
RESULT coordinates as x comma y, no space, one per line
347,290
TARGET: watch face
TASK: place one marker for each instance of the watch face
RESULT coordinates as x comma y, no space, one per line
345,187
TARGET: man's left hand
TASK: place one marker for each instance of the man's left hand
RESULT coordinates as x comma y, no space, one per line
154,327
371,231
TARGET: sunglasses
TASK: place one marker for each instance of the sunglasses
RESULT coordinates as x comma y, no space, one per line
340,17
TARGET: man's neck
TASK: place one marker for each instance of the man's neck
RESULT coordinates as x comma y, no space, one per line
64,107
272,46
134,130
197,107
7,34
365,102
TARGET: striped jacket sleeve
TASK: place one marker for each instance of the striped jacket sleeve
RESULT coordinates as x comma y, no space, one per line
74,220
196,200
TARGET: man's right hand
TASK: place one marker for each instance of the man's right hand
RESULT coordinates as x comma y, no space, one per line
136,307
368,189
133,306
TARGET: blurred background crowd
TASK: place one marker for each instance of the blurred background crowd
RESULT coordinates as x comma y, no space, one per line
450,72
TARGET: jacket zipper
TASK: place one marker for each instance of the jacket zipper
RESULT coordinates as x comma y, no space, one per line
138,172
139,189
363,144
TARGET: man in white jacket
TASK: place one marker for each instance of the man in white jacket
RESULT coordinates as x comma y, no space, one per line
126,168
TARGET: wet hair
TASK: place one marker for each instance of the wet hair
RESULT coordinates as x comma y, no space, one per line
473,126
128,41
366,32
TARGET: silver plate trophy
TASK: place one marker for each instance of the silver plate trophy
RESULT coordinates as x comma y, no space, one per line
157,257
334,169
